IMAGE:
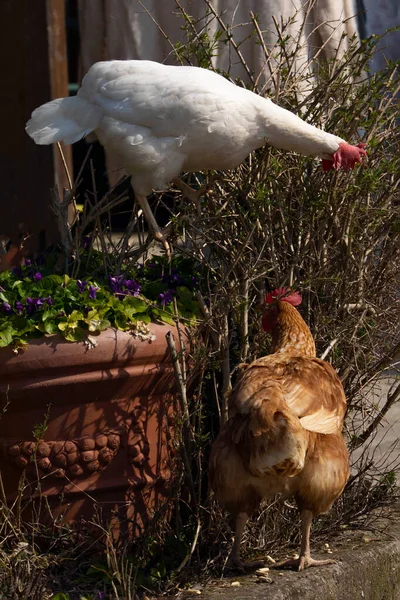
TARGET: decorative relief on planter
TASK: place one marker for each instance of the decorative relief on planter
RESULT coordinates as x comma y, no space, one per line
65,459
110,407
138,444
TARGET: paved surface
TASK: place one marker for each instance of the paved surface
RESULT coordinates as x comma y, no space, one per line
368,568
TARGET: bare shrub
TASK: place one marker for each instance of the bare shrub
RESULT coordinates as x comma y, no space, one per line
276,220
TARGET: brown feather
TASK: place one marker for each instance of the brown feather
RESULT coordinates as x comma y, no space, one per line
283,434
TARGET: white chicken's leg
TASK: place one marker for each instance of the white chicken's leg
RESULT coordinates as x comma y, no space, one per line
305,560
153,225
193,195
234,558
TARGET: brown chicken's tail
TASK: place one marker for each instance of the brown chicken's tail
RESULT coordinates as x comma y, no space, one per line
269,436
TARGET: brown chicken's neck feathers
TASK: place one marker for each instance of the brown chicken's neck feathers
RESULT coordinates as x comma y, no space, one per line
290,333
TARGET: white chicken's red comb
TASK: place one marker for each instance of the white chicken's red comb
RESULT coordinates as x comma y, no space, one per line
346,157
285,294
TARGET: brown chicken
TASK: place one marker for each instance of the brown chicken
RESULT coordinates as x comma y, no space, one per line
283,435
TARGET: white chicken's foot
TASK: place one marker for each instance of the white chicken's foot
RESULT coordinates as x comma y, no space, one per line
192,195
153,225
304,561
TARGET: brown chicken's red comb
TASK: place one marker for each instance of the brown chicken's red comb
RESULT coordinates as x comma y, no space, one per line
286,295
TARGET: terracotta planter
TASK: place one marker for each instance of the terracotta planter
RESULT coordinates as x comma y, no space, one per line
107,442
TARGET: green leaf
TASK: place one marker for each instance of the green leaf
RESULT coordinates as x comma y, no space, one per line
62,325
21,324
151,290
163,316
50,327
185,295
6,336
48,314
135,305
75,335
121,322
60,596
104,324
98,324
144,317
75,316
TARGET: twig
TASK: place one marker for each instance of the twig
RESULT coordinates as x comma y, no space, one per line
329,348
231,41
391,399
185,446
192,547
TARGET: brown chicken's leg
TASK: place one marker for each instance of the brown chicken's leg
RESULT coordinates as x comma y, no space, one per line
153,225
234,558
305,560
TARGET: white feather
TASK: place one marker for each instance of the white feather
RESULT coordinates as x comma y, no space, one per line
160,120
64,119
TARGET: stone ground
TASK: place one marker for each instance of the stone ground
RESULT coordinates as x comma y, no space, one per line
367,568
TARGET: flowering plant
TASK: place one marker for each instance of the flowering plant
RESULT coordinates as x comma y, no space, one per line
35,302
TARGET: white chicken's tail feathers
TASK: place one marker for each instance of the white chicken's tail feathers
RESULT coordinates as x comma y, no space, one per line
63,120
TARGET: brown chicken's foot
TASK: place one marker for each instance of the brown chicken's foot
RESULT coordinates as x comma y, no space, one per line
234,561
304,562
235,564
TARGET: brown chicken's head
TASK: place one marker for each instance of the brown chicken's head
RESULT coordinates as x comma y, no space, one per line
271,307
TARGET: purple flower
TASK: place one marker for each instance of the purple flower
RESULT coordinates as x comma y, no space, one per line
28,262
132,286
195,280
49,300
115,283
81,285
87,242
92,291
19,307
30,305
174,278
6,307
37,276
166,297
33,304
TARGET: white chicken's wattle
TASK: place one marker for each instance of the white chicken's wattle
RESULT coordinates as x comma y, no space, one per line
161,120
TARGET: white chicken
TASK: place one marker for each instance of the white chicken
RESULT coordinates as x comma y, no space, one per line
161,120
